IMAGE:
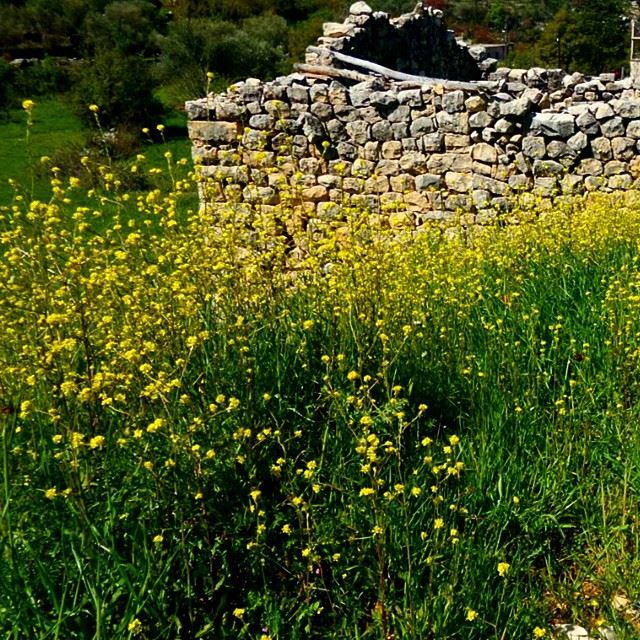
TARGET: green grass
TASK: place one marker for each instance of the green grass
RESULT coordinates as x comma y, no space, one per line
58,132
205,435
54,127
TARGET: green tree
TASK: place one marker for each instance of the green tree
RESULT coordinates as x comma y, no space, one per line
601,34
122,86
256,47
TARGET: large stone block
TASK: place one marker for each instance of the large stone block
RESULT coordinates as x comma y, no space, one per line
217,132
556,125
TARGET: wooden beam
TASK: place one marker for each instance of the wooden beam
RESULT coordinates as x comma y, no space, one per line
480,85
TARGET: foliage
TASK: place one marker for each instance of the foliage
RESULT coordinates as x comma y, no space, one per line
207,433
193,48
7,94
122,86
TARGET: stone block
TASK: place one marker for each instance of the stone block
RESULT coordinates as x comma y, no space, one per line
382,131
388,168
474,104
376,184
433,143
453,101
456,141
633,129
413,161
391,150
620,181
484,153
489,184
555,125
421,126
601,149
402,183
615,167
623,148
217,132
410,97
358,131
453,122
534,147
317,193
428,181
480,120
547,168
612,128
460,182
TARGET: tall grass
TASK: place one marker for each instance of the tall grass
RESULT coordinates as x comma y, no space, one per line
223,424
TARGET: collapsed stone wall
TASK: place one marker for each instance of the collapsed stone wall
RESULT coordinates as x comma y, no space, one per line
420,150
418,43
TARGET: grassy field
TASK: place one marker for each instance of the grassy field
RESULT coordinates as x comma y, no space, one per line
205,435
58,133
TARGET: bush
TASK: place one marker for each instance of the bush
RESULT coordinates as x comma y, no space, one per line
7,93
257,48
121,86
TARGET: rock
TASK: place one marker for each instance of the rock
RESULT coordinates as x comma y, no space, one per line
601,148
421,126
604,111
588,123
428,181
219,132
620,181
388,168
358,131
572,632
413,162
456,141
489,184
410,97
460,182
298,93
545,187
589,167
474,104
480,120
547,168
337,29
505,126
391,150
262,122
578,142
534,147
628,108
484,153
623,148
400,114
360,9
382,131
311,127
572,184
633,129
433,142
453,122
515,108
557,125
322,110
612,128
453,101
614,167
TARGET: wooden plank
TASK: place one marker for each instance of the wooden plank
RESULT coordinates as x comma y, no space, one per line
480,85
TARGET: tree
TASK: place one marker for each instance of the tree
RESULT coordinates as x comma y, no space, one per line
601,34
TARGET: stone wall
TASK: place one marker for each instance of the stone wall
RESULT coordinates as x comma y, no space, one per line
430,150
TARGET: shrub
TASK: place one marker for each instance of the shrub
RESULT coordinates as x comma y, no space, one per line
122,86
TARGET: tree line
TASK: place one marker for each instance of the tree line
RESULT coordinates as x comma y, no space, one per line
125,49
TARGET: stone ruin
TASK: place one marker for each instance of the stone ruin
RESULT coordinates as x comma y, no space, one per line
400,117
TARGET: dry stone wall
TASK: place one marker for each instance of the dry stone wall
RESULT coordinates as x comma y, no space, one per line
419,151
